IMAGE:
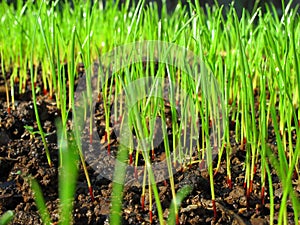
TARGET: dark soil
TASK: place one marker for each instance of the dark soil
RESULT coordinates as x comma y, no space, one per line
22,154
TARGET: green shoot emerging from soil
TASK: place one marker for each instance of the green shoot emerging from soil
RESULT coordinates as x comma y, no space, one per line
67,182
7,217
246,102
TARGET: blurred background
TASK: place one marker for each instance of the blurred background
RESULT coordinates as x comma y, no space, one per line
239,5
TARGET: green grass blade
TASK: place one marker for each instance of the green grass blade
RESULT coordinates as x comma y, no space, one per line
40,201
180,195
6,217
34,94
118,186
67,177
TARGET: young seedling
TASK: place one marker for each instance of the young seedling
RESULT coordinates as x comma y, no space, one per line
7,217
233,48
67,182
34,94
5,83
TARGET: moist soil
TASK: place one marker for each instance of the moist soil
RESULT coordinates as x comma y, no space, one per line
22,154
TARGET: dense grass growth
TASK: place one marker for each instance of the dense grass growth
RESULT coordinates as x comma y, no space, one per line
255,60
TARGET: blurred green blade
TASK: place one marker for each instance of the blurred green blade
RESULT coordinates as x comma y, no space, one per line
40,202
67,176
180,195
6,217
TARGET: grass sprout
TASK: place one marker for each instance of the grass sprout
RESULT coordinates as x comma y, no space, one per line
34,97
67,183
251,89
6,217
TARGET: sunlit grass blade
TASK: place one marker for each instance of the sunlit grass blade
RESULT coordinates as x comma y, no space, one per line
263,136
130,92
34,99
285,173
6,84
50,50
271,194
